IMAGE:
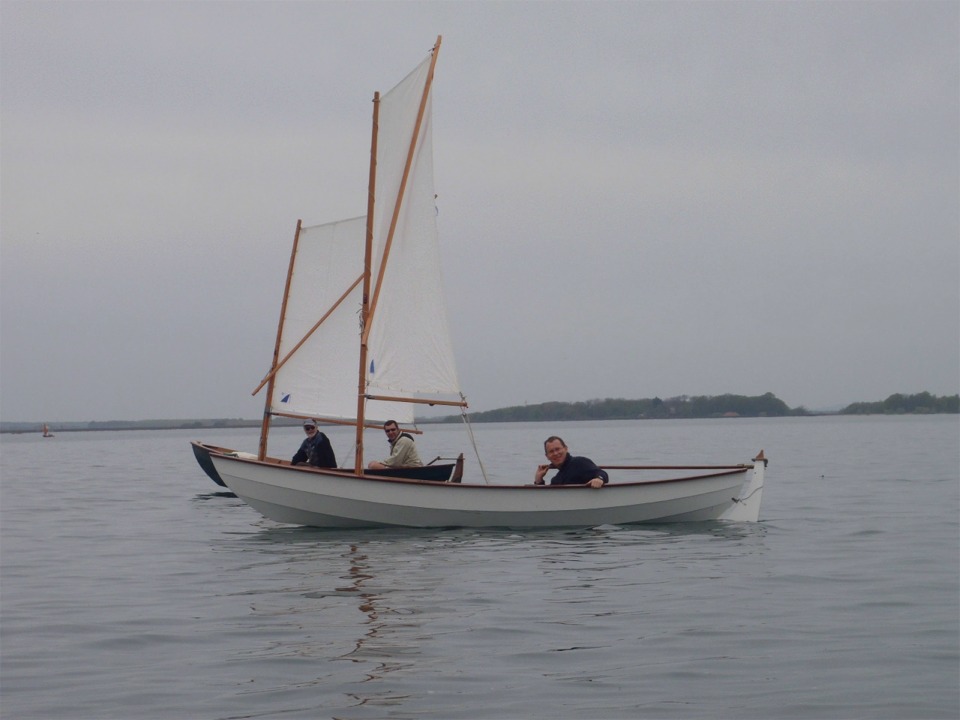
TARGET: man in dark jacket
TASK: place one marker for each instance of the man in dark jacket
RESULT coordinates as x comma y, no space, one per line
572,470
315,449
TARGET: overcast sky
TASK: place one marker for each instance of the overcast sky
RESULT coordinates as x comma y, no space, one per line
635,199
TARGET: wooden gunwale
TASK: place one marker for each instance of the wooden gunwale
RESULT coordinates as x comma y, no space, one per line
351,473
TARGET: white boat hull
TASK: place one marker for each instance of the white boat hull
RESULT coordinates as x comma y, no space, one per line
336,499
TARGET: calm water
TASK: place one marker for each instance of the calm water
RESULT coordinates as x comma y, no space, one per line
132,588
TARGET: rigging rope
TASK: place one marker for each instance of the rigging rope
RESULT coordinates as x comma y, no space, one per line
473,440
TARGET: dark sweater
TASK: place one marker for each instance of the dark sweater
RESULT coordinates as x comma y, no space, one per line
316,451
578,471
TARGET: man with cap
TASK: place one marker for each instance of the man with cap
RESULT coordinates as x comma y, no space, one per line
315,448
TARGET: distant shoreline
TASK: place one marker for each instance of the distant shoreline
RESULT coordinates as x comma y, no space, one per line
721,407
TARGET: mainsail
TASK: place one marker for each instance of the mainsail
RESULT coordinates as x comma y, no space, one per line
409,349
409,353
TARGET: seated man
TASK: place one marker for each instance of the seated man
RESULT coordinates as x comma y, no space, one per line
573,470
315,448
403,453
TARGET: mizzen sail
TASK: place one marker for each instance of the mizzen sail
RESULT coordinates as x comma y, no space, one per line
319,378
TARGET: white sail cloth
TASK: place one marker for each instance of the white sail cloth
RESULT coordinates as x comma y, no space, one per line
320,378
409,349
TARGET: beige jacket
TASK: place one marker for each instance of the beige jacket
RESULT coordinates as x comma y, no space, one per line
403,453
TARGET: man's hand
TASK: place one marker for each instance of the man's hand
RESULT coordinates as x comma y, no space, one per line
538,475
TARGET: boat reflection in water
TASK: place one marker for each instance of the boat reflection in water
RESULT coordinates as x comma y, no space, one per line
374,647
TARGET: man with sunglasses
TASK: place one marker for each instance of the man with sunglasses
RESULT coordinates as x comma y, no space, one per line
403,453
315,449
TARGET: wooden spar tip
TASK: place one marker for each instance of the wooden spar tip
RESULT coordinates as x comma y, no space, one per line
761,458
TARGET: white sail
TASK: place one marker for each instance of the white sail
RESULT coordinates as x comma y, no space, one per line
409,350
320,378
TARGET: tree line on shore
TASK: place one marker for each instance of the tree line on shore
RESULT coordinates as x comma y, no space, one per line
705,406
920,404
682,406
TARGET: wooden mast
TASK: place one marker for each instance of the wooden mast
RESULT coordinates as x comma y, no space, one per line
370,305
365,307
265,426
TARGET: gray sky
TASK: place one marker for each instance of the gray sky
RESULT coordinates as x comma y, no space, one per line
636,199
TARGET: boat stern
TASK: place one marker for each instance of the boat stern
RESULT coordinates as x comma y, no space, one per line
746,506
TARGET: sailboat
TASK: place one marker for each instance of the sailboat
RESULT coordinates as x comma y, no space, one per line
363,338
46,431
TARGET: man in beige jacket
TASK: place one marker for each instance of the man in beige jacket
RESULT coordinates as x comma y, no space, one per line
403,453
